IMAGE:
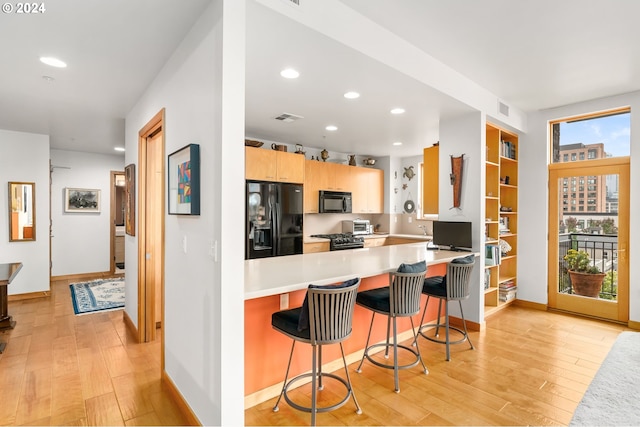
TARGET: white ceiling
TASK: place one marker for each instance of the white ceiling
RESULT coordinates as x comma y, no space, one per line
532,54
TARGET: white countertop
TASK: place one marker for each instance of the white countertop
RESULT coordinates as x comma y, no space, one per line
271,276
309,239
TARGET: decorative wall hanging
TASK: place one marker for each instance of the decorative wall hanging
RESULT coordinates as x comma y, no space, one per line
457,165
409,173
130,199
184,181
81,200
409,205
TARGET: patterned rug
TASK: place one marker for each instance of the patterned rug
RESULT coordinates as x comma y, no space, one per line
97,295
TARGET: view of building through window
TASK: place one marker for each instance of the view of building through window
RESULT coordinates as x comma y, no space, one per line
593,198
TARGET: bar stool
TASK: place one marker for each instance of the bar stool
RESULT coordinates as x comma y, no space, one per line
325,317
454,286
400,299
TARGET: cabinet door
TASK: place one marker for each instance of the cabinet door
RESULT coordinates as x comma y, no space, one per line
260,164
430,191
375,199
360,189
312,248
290,167
316,178
339,177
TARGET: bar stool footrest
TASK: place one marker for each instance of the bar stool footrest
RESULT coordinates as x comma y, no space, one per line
391,366
318,408
440,341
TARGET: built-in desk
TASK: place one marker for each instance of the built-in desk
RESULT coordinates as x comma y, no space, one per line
276,283
8,272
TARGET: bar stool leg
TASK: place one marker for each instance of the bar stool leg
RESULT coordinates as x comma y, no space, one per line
415,340
286,376
438,320
386,349
395,355
353,394
366,346
446,319
320,385
313,384
424,312
464,324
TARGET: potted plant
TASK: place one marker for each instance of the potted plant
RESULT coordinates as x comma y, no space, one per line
586,279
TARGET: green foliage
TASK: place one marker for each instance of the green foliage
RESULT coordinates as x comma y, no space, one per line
572,224
580,261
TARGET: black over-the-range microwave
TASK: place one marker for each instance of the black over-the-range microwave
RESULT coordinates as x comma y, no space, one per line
334,202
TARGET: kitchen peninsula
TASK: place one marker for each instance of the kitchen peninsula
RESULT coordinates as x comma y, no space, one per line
272,284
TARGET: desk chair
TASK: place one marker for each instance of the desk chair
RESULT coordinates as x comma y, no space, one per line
454,286
325,317
400,299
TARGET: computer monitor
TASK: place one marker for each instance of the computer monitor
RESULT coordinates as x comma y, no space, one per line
452,235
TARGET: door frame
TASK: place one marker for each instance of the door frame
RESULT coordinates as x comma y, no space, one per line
584,305
146,292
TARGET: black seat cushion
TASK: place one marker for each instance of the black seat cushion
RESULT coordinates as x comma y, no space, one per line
413,268
469,259
287,322
436,286
375,299
303,320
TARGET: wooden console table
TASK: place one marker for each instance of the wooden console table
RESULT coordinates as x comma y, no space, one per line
8,272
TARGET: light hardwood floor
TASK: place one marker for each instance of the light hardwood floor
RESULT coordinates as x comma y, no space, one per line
529,367
63,369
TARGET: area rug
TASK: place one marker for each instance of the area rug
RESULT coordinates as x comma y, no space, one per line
613,396
97,295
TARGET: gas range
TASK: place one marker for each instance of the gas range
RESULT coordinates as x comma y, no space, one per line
342,241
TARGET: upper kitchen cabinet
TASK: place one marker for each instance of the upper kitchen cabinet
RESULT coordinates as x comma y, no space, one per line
430,195
272,165
324,176
368,190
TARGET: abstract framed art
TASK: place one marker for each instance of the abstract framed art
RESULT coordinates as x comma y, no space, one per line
81,200
184,181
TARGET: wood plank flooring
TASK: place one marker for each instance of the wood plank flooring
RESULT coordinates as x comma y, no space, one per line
529,367
63,369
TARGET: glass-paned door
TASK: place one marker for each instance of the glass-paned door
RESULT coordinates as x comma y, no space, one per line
589,213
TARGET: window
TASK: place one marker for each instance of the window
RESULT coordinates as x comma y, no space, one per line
599,136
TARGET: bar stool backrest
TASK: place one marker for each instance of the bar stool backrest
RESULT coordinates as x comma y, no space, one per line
404,293
458,280
331,313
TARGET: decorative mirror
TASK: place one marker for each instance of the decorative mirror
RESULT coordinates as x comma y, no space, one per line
22,211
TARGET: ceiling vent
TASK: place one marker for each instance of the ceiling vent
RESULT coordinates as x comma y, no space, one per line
503,108
288,118
292,2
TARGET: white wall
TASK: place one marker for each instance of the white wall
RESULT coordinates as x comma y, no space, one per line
458,136
74,232
533,209
24,157
202,89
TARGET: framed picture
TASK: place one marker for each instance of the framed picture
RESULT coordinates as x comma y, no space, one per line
81,200
184,181
130,199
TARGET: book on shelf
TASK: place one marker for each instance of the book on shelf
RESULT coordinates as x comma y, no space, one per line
505,286
487,278
505,296
508,149
492,255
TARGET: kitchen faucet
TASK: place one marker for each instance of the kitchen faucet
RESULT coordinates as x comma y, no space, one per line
424,229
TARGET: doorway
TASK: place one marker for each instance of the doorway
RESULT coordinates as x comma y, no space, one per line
605,240
151,228
117,222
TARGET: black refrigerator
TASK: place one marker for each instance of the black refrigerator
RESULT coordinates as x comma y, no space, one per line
274,219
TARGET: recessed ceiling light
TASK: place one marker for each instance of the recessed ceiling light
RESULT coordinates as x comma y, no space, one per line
352,95
397,111
54,62
397,143
119,148
331,128
289,73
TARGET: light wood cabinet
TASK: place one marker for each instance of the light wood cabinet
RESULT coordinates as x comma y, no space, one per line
315,247
368,190
375,241
119,249
431,169
402,240
501,216
272,165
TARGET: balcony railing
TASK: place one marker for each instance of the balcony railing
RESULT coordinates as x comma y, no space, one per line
603,251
